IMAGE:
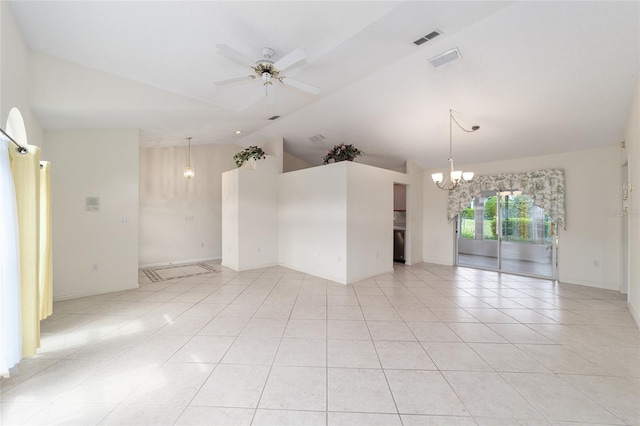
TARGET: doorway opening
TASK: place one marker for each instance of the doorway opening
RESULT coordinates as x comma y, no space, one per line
507,232
399,222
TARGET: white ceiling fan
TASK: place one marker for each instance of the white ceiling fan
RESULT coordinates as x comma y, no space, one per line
266,70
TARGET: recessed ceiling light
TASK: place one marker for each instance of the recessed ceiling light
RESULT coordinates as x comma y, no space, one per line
238,132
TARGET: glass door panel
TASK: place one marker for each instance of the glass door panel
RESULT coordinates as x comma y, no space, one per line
525,236
477,239
507,232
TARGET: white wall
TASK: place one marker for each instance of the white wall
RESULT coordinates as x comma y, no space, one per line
231,219
369,221
275,148
592,188
94,163
15,75
313,221
414,232
632,140
336,221
250,215
181,219
291,163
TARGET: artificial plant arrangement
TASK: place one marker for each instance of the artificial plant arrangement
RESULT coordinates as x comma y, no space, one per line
341,153
246,154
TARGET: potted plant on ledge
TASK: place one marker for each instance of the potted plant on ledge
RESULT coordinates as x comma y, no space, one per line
249,156
342,153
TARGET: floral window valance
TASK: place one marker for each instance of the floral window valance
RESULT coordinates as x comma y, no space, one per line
545,187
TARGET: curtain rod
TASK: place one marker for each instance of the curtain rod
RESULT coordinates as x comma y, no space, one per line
19,148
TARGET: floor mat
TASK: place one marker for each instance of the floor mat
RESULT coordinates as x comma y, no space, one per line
172,272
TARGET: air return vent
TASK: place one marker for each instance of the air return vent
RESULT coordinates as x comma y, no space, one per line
430,36
275,117
446,57
317,138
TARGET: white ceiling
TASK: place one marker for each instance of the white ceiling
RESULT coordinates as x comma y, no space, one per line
538,77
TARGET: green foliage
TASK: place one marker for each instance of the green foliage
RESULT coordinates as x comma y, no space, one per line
247,153
494,230
518,206
491,207
468,229
341,153
468,234
467,213
517,229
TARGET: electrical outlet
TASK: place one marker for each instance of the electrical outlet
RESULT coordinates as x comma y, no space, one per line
94,267
596,263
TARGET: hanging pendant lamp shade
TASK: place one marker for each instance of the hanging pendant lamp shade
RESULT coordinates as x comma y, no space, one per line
188,171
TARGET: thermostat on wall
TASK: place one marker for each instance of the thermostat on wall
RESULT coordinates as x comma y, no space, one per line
92,204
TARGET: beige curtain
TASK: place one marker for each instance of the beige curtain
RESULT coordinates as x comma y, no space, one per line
45,288
26,176
10,316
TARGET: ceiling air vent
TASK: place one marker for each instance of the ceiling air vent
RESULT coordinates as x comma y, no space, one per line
446,57
431,35
275,117
316,138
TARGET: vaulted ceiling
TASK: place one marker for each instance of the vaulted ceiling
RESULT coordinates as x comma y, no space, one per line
538,77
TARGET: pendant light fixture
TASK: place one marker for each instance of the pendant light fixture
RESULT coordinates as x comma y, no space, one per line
188,171
455,176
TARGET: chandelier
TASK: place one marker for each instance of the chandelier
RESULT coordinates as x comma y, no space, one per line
188,171
455,176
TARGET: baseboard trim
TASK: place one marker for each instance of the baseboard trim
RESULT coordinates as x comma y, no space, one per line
634,315
252,268
368,276
314,273
178,262
569,280
437,262
92,293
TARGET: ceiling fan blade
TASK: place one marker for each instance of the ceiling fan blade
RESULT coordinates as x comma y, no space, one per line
233,80
291,58
234,55
300,85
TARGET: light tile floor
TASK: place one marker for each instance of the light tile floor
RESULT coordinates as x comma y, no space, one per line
426,345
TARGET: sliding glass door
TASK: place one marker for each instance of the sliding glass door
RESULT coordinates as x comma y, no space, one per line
507,232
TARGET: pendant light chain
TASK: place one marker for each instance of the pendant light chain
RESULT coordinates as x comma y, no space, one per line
455,177
188,171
